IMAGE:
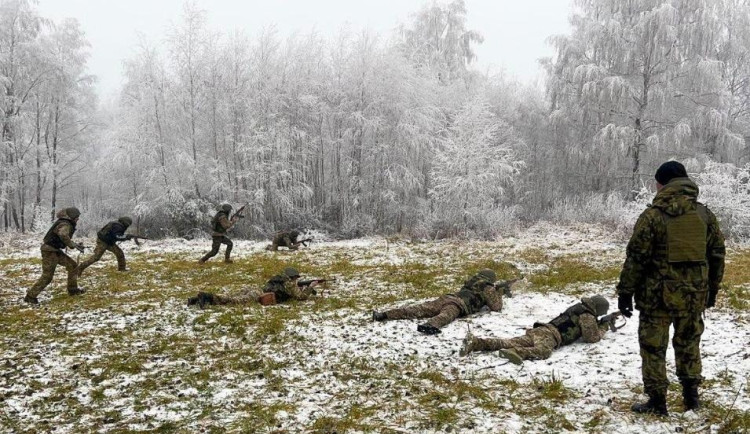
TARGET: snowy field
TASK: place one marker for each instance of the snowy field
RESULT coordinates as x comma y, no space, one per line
130,356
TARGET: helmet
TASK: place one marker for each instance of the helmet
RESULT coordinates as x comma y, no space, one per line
488,274
597,303
294,234
71,213
291,272
226,207
126,221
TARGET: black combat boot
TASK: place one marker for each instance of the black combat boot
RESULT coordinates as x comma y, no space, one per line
31,300
428,329
76,291
656,404
378,316
690,395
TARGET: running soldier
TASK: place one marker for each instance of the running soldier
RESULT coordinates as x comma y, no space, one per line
220,224
577,322
674,265
477,292
285,239
284,287
57,238
106,240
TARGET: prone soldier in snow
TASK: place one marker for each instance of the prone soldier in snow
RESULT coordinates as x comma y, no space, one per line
577,322
284,286
479,291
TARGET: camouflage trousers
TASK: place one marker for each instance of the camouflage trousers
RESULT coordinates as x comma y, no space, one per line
653,337
216,245
247,296
537,344
274,246
99,250
50,260
441,311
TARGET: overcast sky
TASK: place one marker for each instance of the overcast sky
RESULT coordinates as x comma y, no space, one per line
514,30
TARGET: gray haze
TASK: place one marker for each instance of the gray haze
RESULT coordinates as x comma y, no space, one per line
514,31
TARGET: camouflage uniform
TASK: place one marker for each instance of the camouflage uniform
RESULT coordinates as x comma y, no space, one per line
577,322
107,239
221,224
675,259
57,238
476,293
284,239
284,286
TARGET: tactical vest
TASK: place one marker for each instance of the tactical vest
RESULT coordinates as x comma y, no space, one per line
471,294
108,234
276,285
52,239
217,224
684,278
568,324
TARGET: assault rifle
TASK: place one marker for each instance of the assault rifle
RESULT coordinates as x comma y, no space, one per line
306,240
136,239
610,320
309,282
238,214
505,285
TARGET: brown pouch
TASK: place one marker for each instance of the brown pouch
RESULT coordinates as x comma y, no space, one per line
267,298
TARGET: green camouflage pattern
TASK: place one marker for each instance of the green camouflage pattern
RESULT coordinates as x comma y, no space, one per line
246,296
99,250
285,288
478,292
50,261
536,344
671,281
284,239
440,312
653,337
651,277
217,241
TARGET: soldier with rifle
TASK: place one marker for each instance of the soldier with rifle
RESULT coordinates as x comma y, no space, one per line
107,239
220,224
479,291
56,239
577,322
279,288
287,239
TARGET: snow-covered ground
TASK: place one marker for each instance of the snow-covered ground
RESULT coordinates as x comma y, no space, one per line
139,359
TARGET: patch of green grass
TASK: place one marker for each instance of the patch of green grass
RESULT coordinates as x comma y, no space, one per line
571,270
552,389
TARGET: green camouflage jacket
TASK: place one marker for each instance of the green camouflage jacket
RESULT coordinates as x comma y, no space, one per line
285,289
672,275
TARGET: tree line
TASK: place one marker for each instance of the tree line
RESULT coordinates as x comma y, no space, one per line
364,133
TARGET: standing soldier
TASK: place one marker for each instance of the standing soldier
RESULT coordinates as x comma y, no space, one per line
284,287
106,240
57,238
221,224
577,322
285,239
674,264
477,292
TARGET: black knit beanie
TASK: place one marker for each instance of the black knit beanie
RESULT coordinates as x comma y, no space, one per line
670,170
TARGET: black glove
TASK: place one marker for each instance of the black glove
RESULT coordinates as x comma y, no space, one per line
711,301
128,237
80,247
625,304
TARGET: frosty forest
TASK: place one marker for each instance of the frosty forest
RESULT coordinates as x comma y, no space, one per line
413,172
377,133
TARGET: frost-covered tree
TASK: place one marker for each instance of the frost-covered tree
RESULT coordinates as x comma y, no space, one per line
637,76
476,164
439,41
